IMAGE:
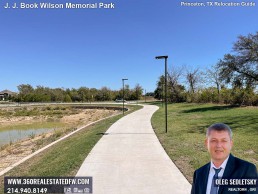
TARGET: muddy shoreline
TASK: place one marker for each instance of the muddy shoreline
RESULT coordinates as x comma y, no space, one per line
71,119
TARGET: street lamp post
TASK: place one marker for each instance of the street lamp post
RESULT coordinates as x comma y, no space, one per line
123,95
166,108
162,95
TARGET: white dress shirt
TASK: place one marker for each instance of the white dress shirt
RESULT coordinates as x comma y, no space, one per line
212,173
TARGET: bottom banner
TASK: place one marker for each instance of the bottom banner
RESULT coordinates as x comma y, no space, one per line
48,185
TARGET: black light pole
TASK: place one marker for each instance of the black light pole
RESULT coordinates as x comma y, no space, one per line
166,108
162,101
124,95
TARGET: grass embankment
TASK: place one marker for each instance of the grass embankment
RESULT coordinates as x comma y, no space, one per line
65,157
187,124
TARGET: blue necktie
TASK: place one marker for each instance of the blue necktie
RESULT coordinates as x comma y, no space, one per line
214,188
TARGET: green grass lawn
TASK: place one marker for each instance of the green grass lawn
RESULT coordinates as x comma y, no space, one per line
187,124
65,157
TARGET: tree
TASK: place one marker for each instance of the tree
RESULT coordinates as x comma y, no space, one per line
212,75
57,95
42,94
193,78
67,98
25,93
208,95
136,93
75,95
127,92
84,94
159,91
93,94
175,90
241,69
25,89
104,94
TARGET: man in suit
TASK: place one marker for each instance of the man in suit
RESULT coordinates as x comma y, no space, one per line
223,164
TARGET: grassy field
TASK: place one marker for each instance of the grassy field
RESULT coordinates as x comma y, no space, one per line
65,157
187,124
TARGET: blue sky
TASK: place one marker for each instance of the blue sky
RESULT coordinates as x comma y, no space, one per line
71,48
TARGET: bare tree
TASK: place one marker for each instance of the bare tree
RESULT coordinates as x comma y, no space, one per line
175,89
212,75
193,78
173,77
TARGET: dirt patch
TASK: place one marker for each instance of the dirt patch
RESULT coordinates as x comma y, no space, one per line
15,152
10,154
7,121
86,116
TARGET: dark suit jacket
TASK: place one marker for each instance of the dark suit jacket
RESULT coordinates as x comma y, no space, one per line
235,168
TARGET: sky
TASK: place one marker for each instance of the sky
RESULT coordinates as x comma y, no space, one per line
70,48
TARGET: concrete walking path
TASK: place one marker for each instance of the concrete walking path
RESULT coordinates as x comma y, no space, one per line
130,159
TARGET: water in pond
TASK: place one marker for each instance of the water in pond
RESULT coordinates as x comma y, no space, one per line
13,135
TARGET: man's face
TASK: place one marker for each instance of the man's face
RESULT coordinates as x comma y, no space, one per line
219,145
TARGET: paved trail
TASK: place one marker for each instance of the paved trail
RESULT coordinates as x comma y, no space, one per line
130,159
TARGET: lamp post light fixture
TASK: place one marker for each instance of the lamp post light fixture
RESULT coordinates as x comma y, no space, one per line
166,108
123,80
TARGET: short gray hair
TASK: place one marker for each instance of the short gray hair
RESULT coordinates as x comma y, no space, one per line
219,127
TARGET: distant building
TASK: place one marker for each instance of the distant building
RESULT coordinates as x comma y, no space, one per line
6,94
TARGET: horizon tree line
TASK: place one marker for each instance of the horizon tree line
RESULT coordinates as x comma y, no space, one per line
27,93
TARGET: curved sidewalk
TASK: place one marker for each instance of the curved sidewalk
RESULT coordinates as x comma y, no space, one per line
130,159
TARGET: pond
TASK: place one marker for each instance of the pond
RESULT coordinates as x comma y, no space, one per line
13,135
